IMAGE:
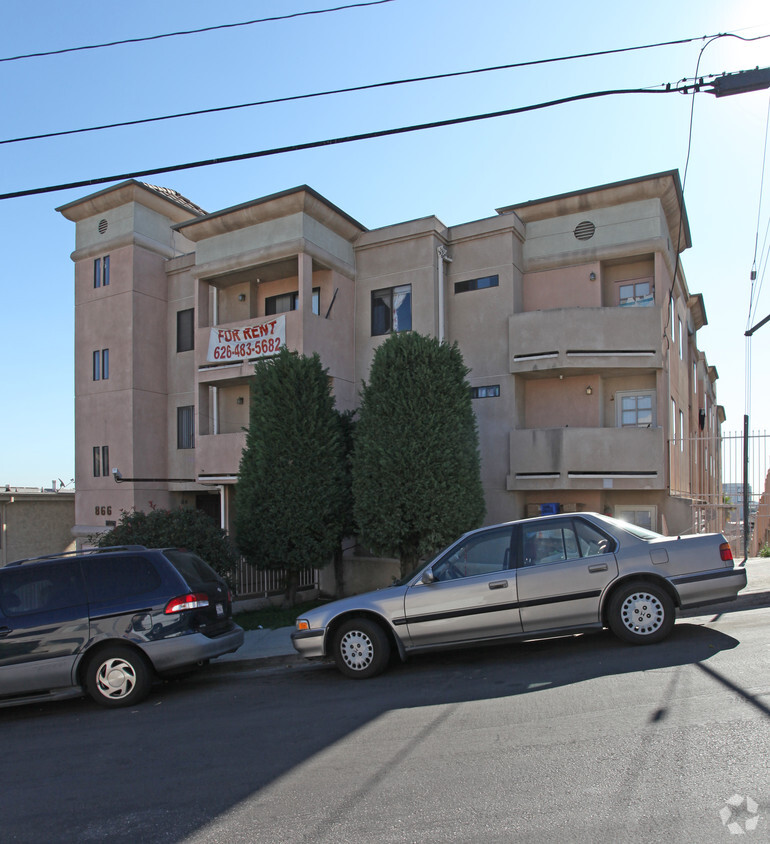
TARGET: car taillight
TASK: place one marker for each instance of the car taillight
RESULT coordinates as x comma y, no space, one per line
191,601
726,552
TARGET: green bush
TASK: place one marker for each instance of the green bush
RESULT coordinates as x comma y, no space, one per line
182,528
764,551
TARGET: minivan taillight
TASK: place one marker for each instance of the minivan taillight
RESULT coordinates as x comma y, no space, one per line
191,601
725,552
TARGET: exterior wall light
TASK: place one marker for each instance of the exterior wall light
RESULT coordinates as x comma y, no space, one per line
241,297
589,391
239,400
592,276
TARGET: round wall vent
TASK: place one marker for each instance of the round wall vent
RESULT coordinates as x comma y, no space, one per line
585,230
103,226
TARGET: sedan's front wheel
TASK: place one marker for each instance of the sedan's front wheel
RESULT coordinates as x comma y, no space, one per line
641,613
361,648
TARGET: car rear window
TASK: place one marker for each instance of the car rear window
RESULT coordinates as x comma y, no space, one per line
192,568
113,578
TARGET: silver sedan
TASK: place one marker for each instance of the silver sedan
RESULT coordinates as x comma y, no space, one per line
528,579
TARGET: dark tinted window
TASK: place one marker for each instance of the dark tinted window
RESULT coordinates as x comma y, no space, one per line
185,330
192,568
40,588
113,578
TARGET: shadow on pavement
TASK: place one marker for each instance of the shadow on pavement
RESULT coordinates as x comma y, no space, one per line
213,743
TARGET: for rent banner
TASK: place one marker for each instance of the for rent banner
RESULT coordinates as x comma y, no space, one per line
249,341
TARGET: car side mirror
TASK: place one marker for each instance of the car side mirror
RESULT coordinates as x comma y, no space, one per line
428,577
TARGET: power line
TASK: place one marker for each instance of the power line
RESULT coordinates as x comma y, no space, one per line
357,88
668,89
192,31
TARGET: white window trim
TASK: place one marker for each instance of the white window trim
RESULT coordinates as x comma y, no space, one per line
621,394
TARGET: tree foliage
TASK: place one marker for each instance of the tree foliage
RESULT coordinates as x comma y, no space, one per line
416,465
290,488
181,528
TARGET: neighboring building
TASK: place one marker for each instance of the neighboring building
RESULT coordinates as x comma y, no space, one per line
35,521
589,388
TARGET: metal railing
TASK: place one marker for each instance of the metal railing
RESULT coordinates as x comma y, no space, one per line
253,582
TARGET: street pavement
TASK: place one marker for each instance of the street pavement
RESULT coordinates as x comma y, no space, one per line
271,648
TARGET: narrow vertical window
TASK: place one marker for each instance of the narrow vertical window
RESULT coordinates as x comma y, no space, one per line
97,461
105,460
97,272
105,270
185,330
105,364
96,372
185,427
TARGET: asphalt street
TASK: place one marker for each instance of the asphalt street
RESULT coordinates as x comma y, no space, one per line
582,739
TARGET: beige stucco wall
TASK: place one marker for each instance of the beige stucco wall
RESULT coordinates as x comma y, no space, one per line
32,524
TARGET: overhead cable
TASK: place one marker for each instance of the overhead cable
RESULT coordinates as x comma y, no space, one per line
668,89
192,31
357,88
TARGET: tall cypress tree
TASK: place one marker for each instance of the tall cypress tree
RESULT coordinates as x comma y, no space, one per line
290,490
416,465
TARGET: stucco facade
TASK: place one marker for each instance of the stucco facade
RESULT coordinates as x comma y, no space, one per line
34,522
572,313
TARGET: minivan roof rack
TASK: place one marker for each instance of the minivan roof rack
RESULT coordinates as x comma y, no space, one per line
82,552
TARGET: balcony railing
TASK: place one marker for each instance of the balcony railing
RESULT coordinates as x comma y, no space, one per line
587,458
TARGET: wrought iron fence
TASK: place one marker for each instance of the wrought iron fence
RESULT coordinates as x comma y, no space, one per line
252,582
713,482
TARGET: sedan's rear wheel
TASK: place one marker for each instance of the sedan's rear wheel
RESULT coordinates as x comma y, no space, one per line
361,648
641,613
118,676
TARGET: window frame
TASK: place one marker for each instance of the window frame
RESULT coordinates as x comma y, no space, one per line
489,391
185,426
471,284
637,301
624,394
271,302
185,334
389,293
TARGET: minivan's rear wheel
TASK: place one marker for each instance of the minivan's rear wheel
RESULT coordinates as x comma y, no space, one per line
118,676
641,613
361,648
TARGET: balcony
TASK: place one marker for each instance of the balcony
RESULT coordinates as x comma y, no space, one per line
587,458
580,339
219,455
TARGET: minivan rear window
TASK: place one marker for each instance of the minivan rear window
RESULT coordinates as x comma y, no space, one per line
192,568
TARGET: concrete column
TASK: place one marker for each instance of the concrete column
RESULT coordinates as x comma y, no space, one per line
305,304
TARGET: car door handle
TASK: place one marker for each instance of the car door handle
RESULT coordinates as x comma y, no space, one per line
4,631
498,584
598,567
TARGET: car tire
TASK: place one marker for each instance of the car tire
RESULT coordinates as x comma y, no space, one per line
641,613
118,676
361,648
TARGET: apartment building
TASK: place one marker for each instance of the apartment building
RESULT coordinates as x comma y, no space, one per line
572,313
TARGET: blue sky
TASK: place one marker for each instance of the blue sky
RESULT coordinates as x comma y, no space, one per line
459,173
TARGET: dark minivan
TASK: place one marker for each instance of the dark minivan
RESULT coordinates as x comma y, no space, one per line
107,621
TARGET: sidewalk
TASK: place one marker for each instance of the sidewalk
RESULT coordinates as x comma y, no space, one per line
267,648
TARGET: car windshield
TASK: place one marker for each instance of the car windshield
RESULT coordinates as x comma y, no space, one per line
634,530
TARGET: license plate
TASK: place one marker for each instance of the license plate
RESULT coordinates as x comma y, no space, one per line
220,609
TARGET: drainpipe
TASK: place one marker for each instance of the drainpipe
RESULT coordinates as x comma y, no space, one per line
222,507
443,255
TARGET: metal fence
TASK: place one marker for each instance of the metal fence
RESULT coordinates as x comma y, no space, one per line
251,582
715,486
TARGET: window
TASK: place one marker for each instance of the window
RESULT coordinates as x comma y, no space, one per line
185,427
681,339
290,302
101,461
101,271
185,330
643,517
636,410
681,431
558,540
635,294
477,283
484,553
41,588
117,578
490,392
101,365
392,310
